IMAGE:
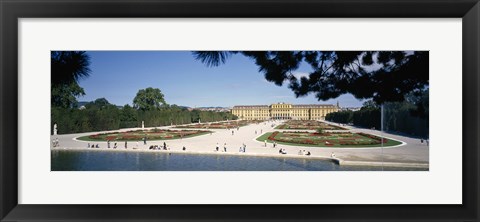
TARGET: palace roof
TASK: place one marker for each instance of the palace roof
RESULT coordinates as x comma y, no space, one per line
251,106
293,106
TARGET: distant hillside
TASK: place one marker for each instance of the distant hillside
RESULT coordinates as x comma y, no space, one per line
212,107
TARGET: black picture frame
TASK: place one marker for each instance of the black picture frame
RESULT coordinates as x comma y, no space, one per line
11,11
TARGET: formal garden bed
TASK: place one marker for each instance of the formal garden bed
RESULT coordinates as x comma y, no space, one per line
327,139
308,125
136,135
220,125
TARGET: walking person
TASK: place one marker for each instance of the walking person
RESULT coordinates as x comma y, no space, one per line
217,148
265,143
108,144
126,144
145,140
115,145
225,147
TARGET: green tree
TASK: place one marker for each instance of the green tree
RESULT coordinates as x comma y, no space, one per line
149,99
370,104
67,68
128,117
384,76
421,101
64,95
340,117
98,104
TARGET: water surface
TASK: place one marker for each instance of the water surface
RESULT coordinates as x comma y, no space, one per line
66,160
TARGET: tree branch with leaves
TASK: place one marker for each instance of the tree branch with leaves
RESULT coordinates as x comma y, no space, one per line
383,76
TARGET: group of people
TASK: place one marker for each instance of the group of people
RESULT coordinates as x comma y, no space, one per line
157,147
55,142
282,151
152,147
163,147
217,147
243,148
303,152
93,145
114,145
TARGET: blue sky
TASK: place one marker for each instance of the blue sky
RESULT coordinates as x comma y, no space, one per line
118,75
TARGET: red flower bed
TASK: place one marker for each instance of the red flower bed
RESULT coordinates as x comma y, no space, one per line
307,141
328,143
343,142
130,137
272,136
377,138
320,134
110,137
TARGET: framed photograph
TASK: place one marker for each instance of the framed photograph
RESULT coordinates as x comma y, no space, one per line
227,110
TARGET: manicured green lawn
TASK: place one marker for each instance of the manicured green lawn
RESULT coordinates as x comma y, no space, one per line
333,139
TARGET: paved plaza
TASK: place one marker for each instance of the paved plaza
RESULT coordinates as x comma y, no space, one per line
412,153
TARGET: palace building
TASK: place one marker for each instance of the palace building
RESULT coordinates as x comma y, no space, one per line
284,111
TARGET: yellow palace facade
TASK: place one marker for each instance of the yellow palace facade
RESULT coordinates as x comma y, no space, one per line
284,111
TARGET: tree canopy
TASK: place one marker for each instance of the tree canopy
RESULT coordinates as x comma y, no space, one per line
383,76
67,68
99,104
149,99
370,104
64,95
111,117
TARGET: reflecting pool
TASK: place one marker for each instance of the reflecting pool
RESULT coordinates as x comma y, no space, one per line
63,160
